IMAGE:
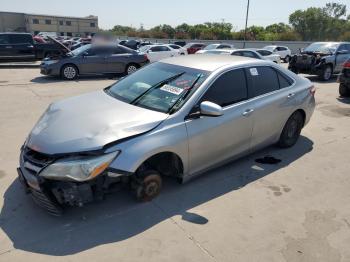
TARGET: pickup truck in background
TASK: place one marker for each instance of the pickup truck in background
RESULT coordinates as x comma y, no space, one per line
18,47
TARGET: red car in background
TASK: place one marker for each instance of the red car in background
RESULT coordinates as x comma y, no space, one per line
192,48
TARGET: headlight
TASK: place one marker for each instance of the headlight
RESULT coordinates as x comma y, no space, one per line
50,62
78,169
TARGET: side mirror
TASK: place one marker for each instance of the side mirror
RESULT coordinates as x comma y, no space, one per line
210,109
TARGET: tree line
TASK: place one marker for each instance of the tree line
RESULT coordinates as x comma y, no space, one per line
328,23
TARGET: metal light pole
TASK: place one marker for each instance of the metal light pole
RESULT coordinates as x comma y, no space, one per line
246,23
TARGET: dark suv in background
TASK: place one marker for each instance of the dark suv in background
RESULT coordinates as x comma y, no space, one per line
22,47
344,80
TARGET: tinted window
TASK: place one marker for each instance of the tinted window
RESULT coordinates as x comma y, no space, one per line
228,89
264,52
120,50
344,47
20,39
284,81
223,46
99,51
197,46
68,23
4,39
92,24
264,80
175,46
246,54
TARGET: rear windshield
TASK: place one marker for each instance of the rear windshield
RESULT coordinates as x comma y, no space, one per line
149,88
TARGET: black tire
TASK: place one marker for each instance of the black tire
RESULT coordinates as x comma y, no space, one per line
344,91
131,68
69,72
287,59
148,186
291,131
326,73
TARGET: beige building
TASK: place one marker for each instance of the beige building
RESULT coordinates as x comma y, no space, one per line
35,23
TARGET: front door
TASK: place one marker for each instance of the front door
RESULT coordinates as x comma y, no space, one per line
93,61
215,139
341,57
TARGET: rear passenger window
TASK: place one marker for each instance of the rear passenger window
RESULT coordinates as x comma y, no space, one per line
21,39
283,80
264,80
228,89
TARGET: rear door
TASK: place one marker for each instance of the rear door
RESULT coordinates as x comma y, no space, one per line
117,60
273,98
94,61
215,139
22,46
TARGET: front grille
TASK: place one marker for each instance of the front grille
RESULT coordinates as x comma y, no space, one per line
35,161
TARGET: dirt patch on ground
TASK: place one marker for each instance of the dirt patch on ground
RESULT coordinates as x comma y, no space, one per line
335,111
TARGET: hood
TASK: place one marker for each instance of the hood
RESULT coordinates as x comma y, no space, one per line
64,48
88,122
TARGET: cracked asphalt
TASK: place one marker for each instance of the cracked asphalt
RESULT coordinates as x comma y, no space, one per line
296,210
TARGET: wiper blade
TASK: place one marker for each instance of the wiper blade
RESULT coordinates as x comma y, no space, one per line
160,84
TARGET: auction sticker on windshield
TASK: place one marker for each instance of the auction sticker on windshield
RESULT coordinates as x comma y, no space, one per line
172,89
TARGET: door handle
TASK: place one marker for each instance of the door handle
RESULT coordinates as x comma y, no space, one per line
248,112
291,95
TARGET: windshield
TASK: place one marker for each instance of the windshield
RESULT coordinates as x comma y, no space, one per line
209,47
80,50
270,48
321,48
147,87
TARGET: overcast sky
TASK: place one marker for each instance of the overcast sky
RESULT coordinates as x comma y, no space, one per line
154,12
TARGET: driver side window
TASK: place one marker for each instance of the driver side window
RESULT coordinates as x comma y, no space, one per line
228,89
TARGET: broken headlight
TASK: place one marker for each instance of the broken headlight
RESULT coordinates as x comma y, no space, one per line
78,169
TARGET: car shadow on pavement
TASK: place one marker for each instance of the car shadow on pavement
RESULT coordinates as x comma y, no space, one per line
52,79
120,217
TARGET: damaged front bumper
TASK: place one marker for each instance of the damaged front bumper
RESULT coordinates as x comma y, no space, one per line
307,64
53,195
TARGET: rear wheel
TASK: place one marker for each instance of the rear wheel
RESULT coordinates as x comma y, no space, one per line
69,72
148,186
344,91
326,73
291,130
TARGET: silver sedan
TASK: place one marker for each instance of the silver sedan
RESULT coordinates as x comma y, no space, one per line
178,117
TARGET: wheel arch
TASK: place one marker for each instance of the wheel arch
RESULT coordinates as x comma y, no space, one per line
167,163
69,63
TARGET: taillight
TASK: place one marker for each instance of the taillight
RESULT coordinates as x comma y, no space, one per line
146,57
347,64
312,90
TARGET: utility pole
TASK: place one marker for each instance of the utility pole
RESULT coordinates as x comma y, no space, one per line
246,24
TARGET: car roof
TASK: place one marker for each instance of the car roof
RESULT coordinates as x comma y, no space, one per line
209,62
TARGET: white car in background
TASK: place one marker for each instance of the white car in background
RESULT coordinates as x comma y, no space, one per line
246,53
268,55
159,52
283,51
214,47
182,51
